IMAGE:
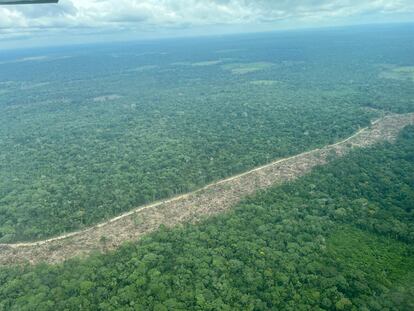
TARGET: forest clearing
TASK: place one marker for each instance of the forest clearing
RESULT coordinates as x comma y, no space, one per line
196,206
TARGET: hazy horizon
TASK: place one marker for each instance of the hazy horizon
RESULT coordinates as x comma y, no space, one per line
183,37
77,22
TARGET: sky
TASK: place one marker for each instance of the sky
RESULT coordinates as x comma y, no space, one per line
86,21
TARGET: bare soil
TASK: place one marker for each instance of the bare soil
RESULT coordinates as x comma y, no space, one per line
210,200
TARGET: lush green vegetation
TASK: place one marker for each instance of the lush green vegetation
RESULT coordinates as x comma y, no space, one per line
340,238
71,167
382,261
90,132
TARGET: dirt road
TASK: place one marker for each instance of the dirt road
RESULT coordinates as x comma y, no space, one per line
195,206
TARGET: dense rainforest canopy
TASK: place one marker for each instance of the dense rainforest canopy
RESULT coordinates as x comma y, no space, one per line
340,238
89,132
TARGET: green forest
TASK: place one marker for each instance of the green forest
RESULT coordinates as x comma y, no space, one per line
89,133
340,238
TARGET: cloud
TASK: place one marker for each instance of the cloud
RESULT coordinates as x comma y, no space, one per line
71,16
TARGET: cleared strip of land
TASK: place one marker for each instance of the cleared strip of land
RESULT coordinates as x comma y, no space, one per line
195,206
